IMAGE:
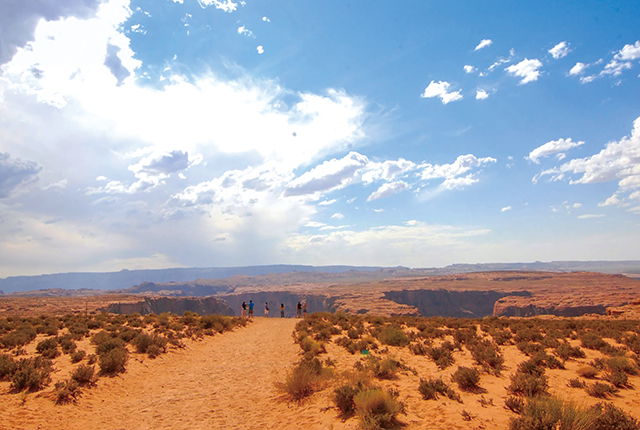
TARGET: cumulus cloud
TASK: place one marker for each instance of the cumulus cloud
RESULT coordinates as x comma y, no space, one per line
560,50
527,69
481,95
578,69
553,147
330,175
14,173
469,69
260,49
622,60
245,31
387,170
19,19
441,89
483,44
452,172
224,5
388,189
617,161
337,215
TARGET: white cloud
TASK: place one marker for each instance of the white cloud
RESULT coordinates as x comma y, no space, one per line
413,241
589,216
245,31
378,210
462,165
15,173
459,182
260,49
505,209
328,176
617,161
481,94
560,50
552,147
388,189
578,69
469,69
327,202
337,215
622,60
224,5
483,44
265,19
629,52
527,69
387,170
441,89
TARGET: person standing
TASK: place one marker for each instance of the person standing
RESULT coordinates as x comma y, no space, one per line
244,309
281,310
299,310
251,305
304,309
266,309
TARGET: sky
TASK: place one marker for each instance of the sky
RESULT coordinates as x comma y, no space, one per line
146,134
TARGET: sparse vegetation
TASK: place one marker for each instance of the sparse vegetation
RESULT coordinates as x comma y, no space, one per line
467,378
377,409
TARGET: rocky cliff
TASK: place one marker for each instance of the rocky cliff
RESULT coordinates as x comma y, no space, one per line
199,305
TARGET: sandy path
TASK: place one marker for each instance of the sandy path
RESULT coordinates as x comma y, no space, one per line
224,382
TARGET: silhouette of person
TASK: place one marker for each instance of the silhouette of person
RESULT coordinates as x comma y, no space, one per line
281,310
299,310
244,309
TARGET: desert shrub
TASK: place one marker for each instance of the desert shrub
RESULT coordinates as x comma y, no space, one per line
465,335
113,361
529,348
418,348
79,331
343,397
430,389
384,368
622,364
393,335
377,409
67,391
486,354
7,366
31,374
591,340
311,346
153,344
528,385
551,413
353,333
83,374
546,360
601,390
565,351
576,383
67,344
501,337
467,378
92,359
442,355
587,371
109,345
19,337
514,404
300,382
618,378
48,348
527,334
610,417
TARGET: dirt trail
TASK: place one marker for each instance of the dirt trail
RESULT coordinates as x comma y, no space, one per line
224,382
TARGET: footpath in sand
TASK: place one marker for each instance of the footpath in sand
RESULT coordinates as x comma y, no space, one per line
223,382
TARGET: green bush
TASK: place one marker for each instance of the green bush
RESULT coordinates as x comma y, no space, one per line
77,356
31,374
7,366
393,335
442,355
487,355
113,361
83,374
617,378
343,397
528,385
467,378
591,340
377,409
514,404
565,351
430,389
19,337
610,417
601,390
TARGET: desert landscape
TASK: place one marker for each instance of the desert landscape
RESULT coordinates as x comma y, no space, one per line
369,355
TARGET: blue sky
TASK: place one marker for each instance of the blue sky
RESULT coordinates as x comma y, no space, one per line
153,134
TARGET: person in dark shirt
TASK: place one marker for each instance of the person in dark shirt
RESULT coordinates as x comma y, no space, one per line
281,310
